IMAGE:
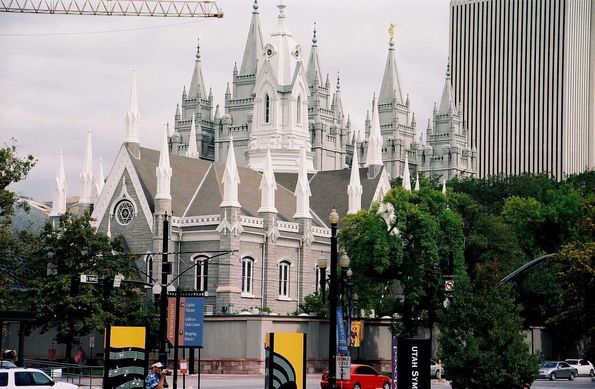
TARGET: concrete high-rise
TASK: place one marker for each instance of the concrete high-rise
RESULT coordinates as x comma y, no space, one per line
524,72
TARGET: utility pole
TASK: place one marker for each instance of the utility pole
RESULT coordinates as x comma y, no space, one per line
165,270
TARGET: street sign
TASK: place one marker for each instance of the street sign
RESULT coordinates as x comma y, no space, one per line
118,278
89,279
343,367
190,318
91,341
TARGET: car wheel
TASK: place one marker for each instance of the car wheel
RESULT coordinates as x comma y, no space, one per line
571,376
553,377
592,373
357,386
386,385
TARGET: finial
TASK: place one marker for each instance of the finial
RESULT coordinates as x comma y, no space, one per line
391,34
184,92
281,7
373,100
235,68
448,68
198,49
314,40
255,7
338,82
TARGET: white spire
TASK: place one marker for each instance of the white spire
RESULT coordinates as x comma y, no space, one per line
99,179
302,190
163,171
406,176
354,189
444,185
313,70
231,179
374,156
447,103
132,115
417,181
254,47
391,86
59,203
192,151
197,84
268,186
87,174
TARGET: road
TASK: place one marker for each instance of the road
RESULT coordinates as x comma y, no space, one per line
257,382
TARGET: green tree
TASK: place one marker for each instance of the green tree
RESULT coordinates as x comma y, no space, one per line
401,270
72,308
481,343
12,245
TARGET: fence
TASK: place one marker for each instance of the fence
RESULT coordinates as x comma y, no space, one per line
81,375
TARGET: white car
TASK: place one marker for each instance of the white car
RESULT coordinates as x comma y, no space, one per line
583,366
22,378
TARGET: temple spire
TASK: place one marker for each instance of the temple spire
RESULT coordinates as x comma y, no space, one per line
99,179
254,46
87,174
391,86
374,156
268,186
313,70
59,198
406,175
338,102
163,171
416,181
354,189
197,85
231,179
132,115
447,102
302,190
192,151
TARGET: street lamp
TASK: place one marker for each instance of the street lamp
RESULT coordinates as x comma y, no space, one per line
322,266
332,338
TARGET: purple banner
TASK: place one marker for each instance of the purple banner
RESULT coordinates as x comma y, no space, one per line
393,364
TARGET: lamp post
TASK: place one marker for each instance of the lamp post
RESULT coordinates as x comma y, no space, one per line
332,338
322,281
165,271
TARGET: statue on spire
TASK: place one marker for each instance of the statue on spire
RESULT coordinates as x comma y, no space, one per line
391,32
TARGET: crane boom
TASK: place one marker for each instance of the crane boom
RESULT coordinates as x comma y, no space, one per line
164,8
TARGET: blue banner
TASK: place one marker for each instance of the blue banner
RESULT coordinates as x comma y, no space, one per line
193,324
341,334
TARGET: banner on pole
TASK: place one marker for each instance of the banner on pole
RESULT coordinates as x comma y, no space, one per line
190,318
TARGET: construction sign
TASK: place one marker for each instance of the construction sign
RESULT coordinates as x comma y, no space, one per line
285,365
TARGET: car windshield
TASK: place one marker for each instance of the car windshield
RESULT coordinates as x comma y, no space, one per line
549,364
572,361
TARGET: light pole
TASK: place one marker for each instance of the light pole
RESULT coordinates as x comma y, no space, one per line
322,266
332,338
165,271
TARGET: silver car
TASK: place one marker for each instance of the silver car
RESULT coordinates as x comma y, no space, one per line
553,370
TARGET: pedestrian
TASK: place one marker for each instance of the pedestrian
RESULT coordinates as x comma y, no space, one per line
79,358
155,379
526,386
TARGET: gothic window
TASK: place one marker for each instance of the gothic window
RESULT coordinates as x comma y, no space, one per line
201,273
124,212
247,275
298,110
149,268
267,108
284,279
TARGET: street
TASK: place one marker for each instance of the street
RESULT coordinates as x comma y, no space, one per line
212,381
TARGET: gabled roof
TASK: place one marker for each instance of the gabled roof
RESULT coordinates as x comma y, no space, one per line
196,188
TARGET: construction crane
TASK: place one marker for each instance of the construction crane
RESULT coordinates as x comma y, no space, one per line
163,8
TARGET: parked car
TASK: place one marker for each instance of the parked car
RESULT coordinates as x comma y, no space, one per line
22,378
7,364
583,366
436,370
560,369
362,377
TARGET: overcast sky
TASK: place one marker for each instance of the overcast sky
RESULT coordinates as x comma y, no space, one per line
63,74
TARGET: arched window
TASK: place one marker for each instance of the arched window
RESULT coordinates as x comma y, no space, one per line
267,108
298,110
284,278
247,275
201,272
149,268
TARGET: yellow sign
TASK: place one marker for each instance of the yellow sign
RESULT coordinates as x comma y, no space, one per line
121,337
357,333
286,360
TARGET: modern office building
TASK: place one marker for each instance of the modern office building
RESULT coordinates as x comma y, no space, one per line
524,72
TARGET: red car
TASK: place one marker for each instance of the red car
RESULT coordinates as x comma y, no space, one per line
362,377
